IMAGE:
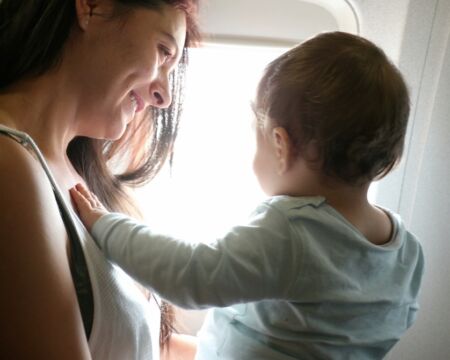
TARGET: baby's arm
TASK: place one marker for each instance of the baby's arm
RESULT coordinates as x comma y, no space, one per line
252,262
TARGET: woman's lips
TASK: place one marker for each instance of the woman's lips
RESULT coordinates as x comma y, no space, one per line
136,100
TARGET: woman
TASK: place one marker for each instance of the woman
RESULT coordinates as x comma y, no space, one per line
71,72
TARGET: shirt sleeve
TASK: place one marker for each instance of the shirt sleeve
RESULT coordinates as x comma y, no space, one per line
251,262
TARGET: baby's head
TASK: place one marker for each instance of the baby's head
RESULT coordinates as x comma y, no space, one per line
338,94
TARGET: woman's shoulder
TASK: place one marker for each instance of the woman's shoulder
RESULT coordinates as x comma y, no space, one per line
15,158
22,177
26,193
35,270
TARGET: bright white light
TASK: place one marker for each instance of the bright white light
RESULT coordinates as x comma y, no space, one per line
211,186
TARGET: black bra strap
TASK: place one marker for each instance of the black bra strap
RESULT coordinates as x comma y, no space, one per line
80,274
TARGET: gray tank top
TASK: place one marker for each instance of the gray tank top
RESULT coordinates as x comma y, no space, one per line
119,321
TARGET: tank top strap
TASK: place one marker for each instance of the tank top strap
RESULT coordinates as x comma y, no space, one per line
78,267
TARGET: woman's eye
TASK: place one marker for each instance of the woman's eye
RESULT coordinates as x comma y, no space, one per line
166,53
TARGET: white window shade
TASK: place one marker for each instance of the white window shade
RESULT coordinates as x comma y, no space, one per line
274,22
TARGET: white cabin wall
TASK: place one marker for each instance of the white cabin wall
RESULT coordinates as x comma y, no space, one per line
427,198
415,34
384,23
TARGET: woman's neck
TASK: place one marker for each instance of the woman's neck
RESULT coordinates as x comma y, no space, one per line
40,107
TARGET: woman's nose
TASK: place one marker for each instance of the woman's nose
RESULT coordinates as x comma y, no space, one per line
160,95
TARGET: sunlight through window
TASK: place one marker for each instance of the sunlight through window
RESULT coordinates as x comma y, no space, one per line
211,185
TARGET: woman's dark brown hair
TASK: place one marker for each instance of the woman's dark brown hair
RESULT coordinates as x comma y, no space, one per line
340,91
32,39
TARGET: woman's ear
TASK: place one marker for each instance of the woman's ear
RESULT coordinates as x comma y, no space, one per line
283,149
85,10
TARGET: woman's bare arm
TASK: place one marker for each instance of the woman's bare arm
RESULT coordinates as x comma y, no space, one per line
40,317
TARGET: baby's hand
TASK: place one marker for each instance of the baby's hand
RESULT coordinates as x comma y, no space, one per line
89,207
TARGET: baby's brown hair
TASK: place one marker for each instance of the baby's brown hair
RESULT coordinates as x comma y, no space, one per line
342,92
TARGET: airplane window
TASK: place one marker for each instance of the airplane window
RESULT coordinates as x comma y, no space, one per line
211,185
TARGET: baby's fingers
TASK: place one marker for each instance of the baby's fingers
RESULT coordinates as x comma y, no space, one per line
88,206
81,201
82,205
97,201
85,196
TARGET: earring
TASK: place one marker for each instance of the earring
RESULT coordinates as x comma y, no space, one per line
84,23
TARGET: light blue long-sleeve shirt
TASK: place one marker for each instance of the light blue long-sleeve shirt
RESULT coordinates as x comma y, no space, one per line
298,281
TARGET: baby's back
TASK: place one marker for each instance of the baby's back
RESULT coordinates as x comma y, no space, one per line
346,297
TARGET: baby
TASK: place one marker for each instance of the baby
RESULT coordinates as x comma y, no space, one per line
318,272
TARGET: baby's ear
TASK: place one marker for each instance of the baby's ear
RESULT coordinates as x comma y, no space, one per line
284,149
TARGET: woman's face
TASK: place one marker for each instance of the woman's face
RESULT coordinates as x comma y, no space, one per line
125,66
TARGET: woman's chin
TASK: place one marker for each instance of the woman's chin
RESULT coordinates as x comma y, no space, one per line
116,134
111,130
111,133
116,130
